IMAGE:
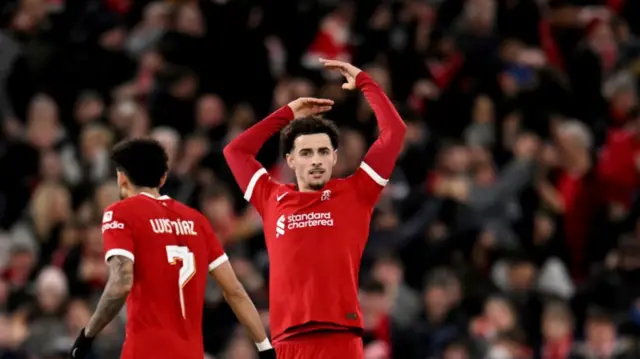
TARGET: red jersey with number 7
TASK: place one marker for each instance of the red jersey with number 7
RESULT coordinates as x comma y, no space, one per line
174,249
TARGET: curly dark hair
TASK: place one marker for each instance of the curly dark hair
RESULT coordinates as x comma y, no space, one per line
307,126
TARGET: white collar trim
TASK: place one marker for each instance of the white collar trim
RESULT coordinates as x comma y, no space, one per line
154,197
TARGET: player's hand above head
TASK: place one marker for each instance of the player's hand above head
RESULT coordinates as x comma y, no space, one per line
309,106
267,354
347,70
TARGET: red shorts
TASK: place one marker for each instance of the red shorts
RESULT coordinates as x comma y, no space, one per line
324,345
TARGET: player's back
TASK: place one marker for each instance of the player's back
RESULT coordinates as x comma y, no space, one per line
172,251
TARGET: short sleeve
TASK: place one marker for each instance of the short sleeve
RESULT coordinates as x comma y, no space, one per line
117,234
368,184
215,252
259,189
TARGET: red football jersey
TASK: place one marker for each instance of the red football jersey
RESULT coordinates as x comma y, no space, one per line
316,239
174,249
312,233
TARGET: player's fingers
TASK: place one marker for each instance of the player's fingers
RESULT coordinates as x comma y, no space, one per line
321,109
319,101
332,64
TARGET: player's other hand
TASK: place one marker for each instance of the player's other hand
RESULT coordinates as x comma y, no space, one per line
309,106
81,347
347,70
267,354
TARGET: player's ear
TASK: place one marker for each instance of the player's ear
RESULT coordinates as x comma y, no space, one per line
123,182
290,162
335,157
163,180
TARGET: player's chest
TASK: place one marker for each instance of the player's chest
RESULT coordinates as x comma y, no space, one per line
296,213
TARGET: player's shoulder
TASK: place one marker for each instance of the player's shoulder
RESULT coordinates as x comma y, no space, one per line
348,181
185,210
279,189
124,205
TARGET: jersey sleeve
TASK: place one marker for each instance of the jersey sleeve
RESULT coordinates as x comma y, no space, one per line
215,252
253,179
259,189
117,233
368,184
378,163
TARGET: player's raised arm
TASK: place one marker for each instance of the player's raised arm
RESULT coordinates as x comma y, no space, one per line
381,158
241,152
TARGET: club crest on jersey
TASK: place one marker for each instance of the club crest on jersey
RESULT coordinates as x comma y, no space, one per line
326,195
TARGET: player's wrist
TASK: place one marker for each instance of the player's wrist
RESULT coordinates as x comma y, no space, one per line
264,345
86,334
265,351
287,112
361,79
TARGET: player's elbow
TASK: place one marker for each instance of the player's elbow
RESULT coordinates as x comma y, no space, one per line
400,130
119,289
230,151
395,134
235,293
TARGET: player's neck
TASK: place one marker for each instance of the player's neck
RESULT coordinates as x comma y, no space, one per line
147,190
304,188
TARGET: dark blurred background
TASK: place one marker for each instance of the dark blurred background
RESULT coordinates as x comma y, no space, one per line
509,230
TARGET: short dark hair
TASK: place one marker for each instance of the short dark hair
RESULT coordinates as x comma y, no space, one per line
307,126
372,286
599,315
143,160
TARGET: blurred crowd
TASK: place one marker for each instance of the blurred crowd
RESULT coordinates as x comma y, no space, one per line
509,230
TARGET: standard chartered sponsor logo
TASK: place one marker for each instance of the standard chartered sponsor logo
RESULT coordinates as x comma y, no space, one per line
303,220
313,219
280,226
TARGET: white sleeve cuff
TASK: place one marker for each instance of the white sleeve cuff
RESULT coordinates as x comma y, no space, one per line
217,262
118,252
264,345
373,174
252,183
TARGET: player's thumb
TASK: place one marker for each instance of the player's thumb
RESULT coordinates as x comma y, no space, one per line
346,86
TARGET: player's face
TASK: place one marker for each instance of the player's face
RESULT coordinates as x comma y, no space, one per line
312,158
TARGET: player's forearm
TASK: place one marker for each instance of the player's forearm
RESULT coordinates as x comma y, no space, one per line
241,152
384,152
114,295
247,314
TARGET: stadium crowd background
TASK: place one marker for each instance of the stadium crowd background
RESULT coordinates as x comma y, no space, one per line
509,228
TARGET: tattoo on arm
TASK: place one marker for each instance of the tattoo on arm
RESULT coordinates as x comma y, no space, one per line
114,295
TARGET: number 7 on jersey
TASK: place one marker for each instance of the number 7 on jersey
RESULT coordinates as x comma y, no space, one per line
188,269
